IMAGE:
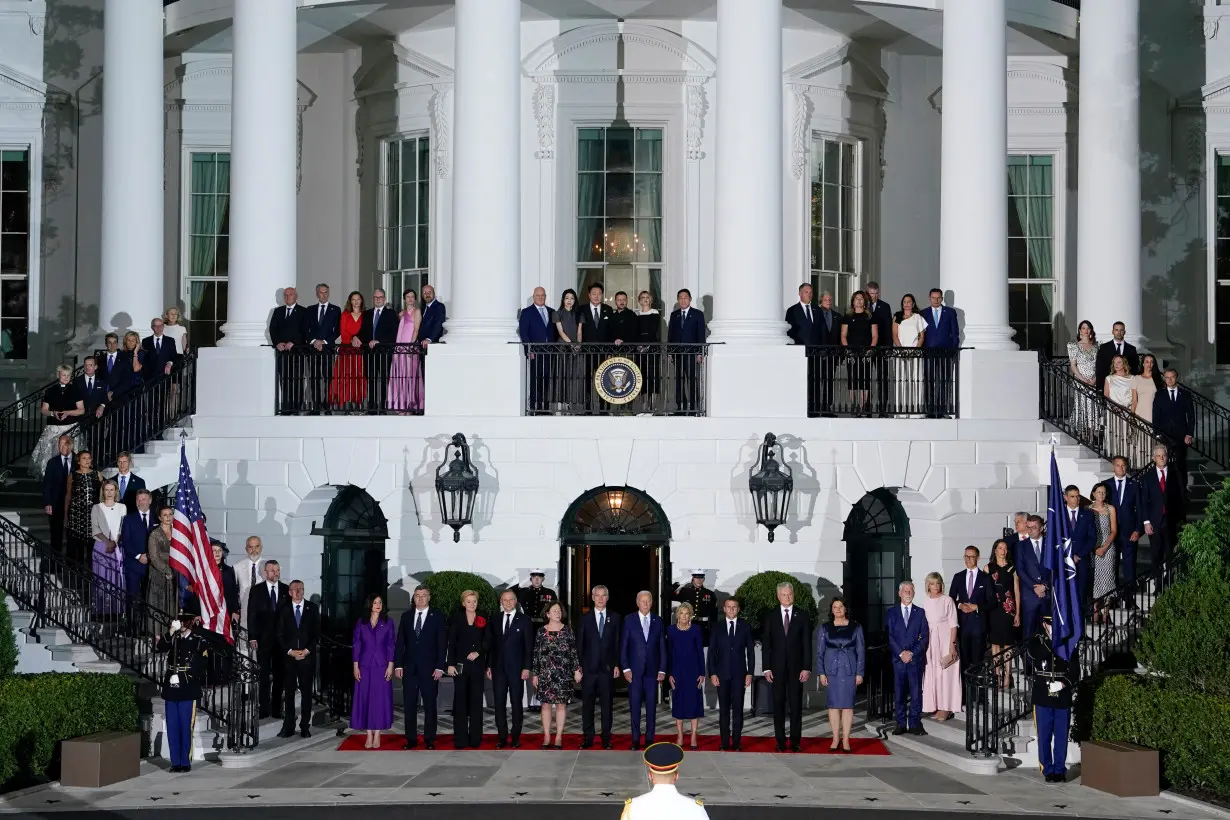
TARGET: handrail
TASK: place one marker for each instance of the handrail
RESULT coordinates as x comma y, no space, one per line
1212,428
21,424
64,593
878,681
883,381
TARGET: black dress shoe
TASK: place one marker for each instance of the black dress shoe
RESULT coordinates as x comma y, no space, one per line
794,747
737,747
178,769
430,745
587,744
186,769
500,744
606,744
900,730
781,749
516,744
304,733
636,746
411,744
723,747
918,730
286,733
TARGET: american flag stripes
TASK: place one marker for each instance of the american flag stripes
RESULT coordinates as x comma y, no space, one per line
193,557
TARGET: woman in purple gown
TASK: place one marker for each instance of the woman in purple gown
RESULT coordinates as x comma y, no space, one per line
406,374
372,710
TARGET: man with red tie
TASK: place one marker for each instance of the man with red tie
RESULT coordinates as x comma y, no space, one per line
787,650
1161,508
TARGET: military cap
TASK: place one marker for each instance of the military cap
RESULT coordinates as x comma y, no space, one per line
663,758
698,573
534,572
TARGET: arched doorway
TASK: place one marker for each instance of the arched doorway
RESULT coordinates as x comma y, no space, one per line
877,537
353,565
620,538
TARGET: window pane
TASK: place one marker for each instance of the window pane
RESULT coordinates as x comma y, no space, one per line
15,171
424,146
1040,255
202,257
585,278
832,250
393,172
648,195
589,240
422,246
847,208
649,149
832,162
847,165
392,259
408,197
408,235
392,215
817,204
817,248
423,212
831,204
1018,259
620,246
1017,211
590,150
409,165
649,240
619,149
14,212
618,195
1040,177
14,318
589,194
14,253
222,256
847,251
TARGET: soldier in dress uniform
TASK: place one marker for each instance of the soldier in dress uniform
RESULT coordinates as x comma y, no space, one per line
187,667
534,599
1054,681
703,601
663,802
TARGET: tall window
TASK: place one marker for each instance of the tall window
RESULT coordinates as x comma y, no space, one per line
619,212
405,190
1221,294
14,252
209,245
836,219
1031,251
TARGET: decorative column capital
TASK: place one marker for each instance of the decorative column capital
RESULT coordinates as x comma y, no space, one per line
800,126
544,117
440,135
698,106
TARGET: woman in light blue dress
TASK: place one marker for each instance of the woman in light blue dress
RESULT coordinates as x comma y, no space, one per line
840,660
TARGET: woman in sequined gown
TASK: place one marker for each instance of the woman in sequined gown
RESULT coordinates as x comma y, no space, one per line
1082,362
1104,556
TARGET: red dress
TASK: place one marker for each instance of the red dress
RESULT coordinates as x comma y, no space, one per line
348,390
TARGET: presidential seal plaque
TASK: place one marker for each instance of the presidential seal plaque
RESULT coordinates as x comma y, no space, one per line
618,380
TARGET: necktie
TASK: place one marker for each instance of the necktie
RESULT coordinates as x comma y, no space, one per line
595,314
375,318
157,343
1119,489
905,613
786,621
828,320
123,484
1038,550
1073,517
145,523
935,314
969,583
320,315
1174,395
1119,348
732,629
89,385
66,467
601,623
298,614
645,627
685,316
542,312
507,622
253,581
288,312
807,310
273,596
418,624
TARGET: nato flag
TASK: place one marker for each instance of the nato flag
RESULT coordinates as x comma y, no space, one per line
1066,625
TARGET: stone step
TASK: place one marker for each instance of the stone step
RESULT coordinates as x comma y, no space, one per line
944,751
104,667
53,636
22,618
75,652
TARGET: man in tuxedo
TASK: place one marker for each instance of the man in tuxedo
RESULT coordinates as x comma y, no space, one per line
642,652
55,490
787,651
264,601
1124,495
419,664
596,328
249,572
598,649
687,327
116,369
286,334
92,388
882,319
322,325
298,632
1107,352
971,590
731,661
160,353
536,326
908,635
828,335
1084,535
1161,508
434,317
509,668
943,333
1035,578
138,522
1175,415
129,483
802,320
378,334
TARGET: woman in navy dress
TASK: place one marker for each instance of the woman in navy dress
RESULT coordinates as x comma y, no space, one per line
839,663
687,672
374,634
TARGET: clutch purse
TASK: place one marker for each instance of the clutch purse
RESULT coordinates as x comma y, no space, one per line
952,658
461,667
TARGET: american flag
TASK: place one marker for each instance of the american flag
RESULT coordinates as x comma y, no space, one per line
192,555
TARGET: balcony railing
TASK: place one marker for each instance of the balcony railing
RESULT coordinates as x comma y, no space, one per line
912,382
341,380
616,380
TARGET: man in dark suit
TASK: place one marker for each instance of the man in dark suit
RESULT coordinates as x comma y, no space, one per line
1161,508
1124,493
732,658
907,643
92,388
642,653
264,601
535,325
378,334
133,541
116,369
594,319
286,334
322,325
55,490
971,590
687,327
882,319
943,333
598,649
1035,578
1175,415
129,483
298,633
418,663
1107,352
786,650
802,319
511,643
160,352
828,335
1084,535
434,317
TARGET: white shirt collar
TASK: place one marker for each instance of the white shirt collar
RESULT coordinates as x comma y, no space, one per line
732,620
273,585
787,609
418,611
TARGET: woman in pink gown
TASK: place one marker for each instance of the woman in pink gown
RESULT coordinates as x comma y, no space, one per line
405,376
942,676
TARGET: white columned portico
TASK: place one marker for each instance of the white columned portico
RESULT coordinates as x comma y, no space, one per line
1108,287
478,367
973,175
131,288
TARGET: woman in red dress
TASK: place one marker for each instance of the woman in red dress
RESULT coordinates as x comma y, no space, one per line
348,390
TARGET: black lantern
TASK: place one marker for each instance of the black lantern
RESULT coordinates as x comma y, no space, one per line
457,486
771,485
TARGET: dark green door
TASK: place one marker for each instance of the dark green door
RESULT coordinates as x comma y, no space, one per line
353,565
877,559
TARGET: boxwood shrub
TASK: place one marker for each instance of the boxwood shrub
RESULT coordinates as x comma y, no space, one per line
758,594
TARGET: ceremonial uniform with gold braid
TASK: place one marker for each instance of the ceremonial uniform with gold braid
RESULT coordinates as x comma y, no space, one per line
187,667
663,802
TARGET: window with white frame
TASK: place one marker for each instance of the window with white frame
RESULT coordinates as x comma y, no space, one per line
1031,250
1221,272
619,212
209,244
836,218
405,188
14,251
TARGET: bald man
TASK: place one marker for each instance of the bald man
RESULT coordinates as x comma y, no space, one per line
536,326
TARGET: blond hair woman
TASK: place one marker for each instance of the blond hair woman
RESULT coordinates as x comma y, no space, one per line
942,675
173,329
108,558
469,643
687,672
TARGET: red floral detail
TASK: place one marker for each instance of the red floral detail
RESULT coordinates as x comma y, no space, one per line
480,621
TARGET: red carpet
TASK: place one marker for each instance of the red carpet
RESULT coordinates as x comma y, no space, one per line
390,742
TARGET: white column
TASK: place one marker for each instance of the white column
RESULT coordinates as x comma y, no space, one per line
1108,178
973,173
131,292
264,146
486,171
747,276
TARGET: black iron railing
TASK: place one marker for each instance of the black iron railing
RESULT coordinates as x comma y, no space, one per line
96,612
22,423
878,683
918,382
1212,429
345,380
1073,4
562,379
334,685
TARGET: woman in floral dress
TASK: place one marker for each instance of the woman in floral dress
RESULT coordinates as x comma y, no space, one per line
555,668
1005,618
83,487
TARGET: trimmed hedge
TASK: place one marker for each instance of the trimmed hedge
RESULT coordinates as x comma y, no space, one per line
39,711
758,594
1191,730
1186,637
8,641
446,588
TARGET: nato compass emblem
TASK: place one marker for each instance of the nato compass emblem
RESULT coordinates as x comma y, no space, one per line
1069,563
618,380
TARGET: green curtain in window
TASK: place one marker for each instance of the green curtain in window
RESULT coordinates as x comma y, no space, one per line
1034,213
589,211
211,176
